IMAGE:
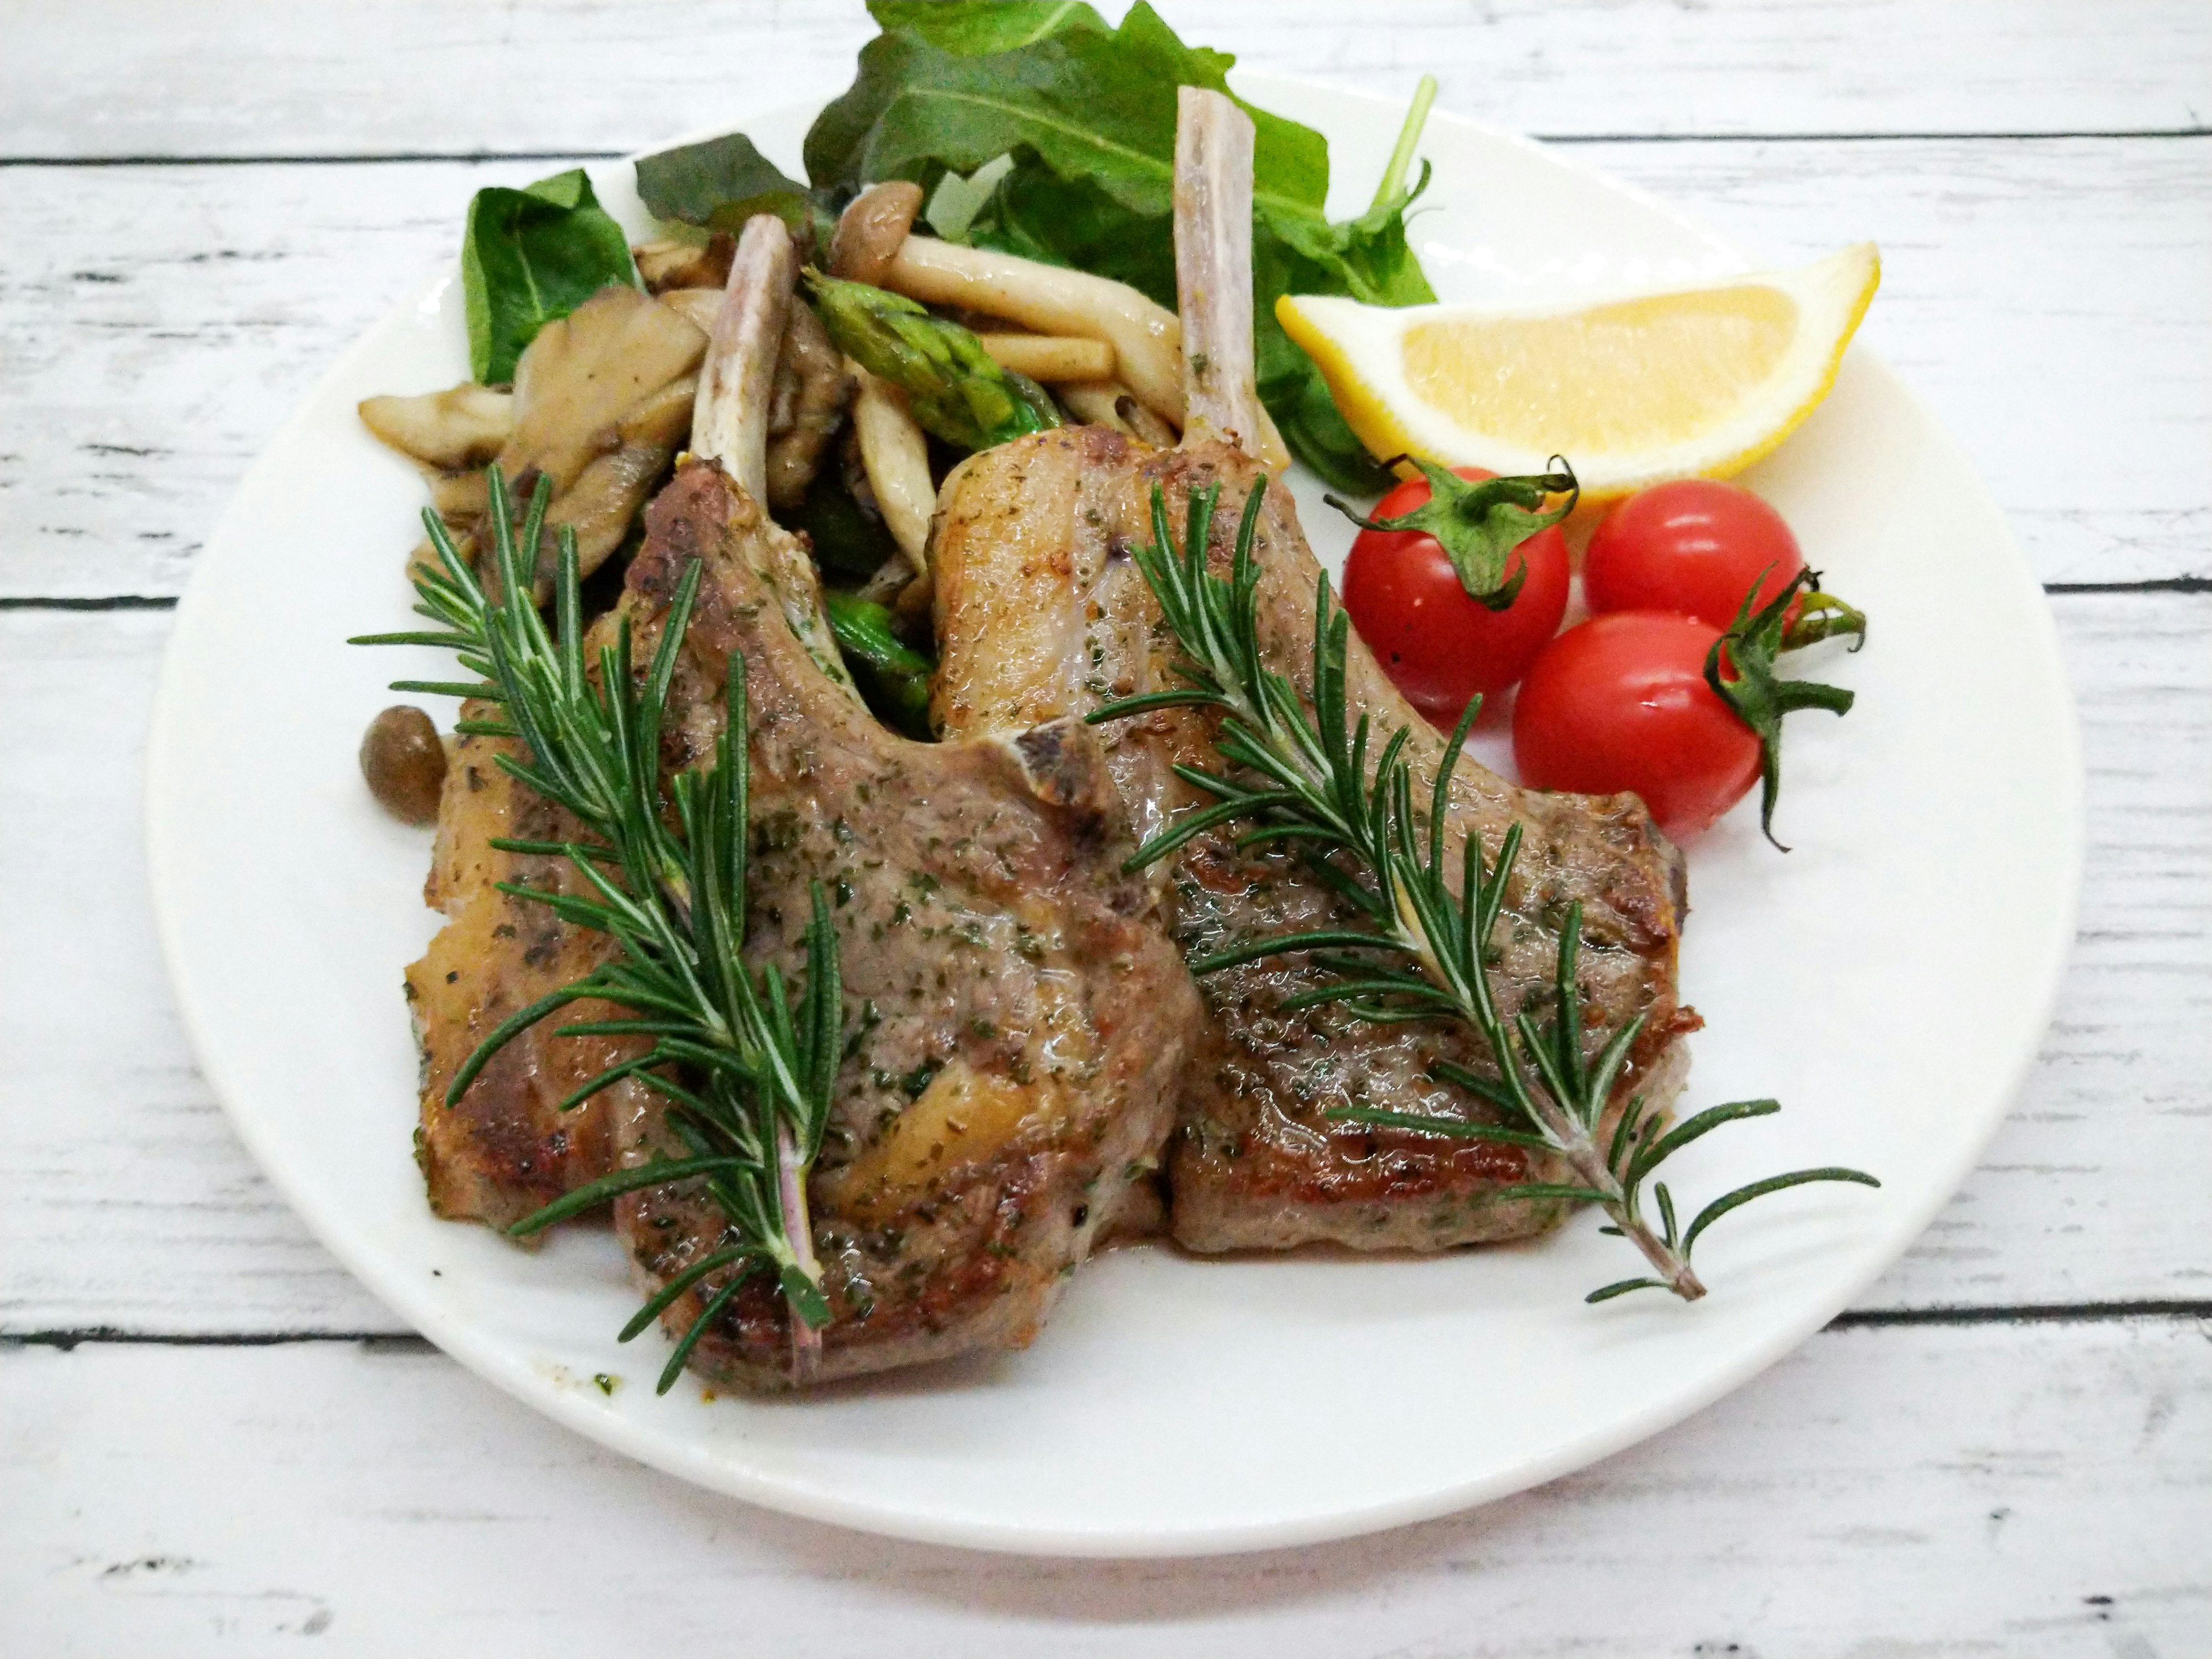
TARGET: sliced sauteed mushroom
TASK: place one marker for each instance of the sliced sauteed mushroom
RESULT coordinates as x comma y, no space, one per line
602,401
696,306
807,405
672,267
451,431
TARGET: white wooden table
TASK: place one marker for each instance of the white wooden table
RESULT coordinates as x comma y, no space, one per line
212,1440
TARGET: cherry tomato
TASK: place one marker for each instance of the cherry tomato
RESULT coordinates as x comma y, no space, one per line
1693,546
1439,646
1620,703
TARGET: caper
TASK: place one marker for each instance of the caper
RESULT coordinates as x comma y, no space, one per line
404,764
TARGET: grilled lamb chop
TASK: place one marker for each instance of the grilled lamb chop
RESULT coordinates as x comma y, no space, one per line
1017,1018
1040,616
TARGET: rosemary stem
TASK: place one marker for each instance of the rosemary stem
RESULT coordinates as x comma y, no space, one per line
799,1228
1569,1139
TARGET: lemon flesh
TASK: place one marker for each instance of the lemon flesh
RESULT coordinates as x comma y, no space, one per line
1631,389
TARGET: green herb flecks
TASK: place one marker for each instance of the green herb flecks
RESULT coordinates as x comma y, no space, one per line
1302,781
1739,668
1480,524
954,387
530,256
746,1072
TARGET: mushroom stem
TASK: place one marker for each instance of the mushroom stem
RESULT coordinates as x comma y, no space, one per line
895,452
729,416
1213,278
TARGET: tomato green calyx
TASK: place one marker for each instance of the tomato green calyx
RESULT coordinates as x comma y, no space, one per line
1478,524
1823,616
1758,696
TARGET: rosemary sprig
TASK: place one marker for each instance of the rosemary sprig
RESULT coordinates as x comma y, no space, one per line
746,1077
1420,952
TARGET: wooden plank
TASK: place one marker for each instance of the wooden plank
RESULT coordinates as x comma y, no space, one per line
156,325
2040,1489
134,1206
133,77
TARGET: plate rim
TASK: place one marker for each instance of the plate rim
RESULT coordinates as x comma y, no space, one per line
496,1363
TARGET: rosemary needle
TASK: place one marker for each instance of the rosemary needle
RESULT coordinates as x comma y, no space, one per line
1418,949
747,1075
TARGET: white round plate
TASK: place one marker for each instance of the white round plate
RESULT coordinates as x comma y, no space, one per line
1887,980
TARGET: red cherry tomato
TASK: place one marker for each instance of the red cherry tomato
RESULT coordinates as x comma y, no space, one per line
1693,546
1439,646
1620,703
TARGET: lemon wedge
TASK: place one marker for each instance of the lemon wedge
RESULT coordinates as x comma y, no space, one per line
1631,389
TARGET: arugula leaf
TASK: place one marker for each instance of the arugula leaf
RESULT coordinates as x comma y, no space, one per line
529,257
977,28
720,183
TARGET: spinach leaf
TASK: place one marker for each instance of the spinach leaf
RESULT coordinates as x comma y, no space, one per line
720,183
530,256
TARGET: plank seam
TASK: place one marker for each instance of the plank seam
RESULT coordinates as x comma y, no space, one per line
1926,138
2070,1313
2052,1313
379,158
2153,585
369,158
95,602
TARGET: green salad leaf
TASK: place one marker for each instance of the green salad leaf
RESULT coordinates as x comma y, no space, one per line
720,183
1087,103
977,28
1086,116
1076,120
530,256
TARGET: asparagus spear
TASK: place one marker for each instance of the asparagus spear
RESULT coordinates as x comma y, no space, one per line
955,389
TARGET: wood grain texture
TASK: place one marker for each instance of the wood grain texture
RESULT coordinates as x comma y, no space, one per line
2038,1490
2053,301
135,1207
135,77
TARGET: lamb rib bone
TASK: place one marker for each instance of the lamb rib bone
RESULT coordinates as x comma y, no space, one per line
1213,278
